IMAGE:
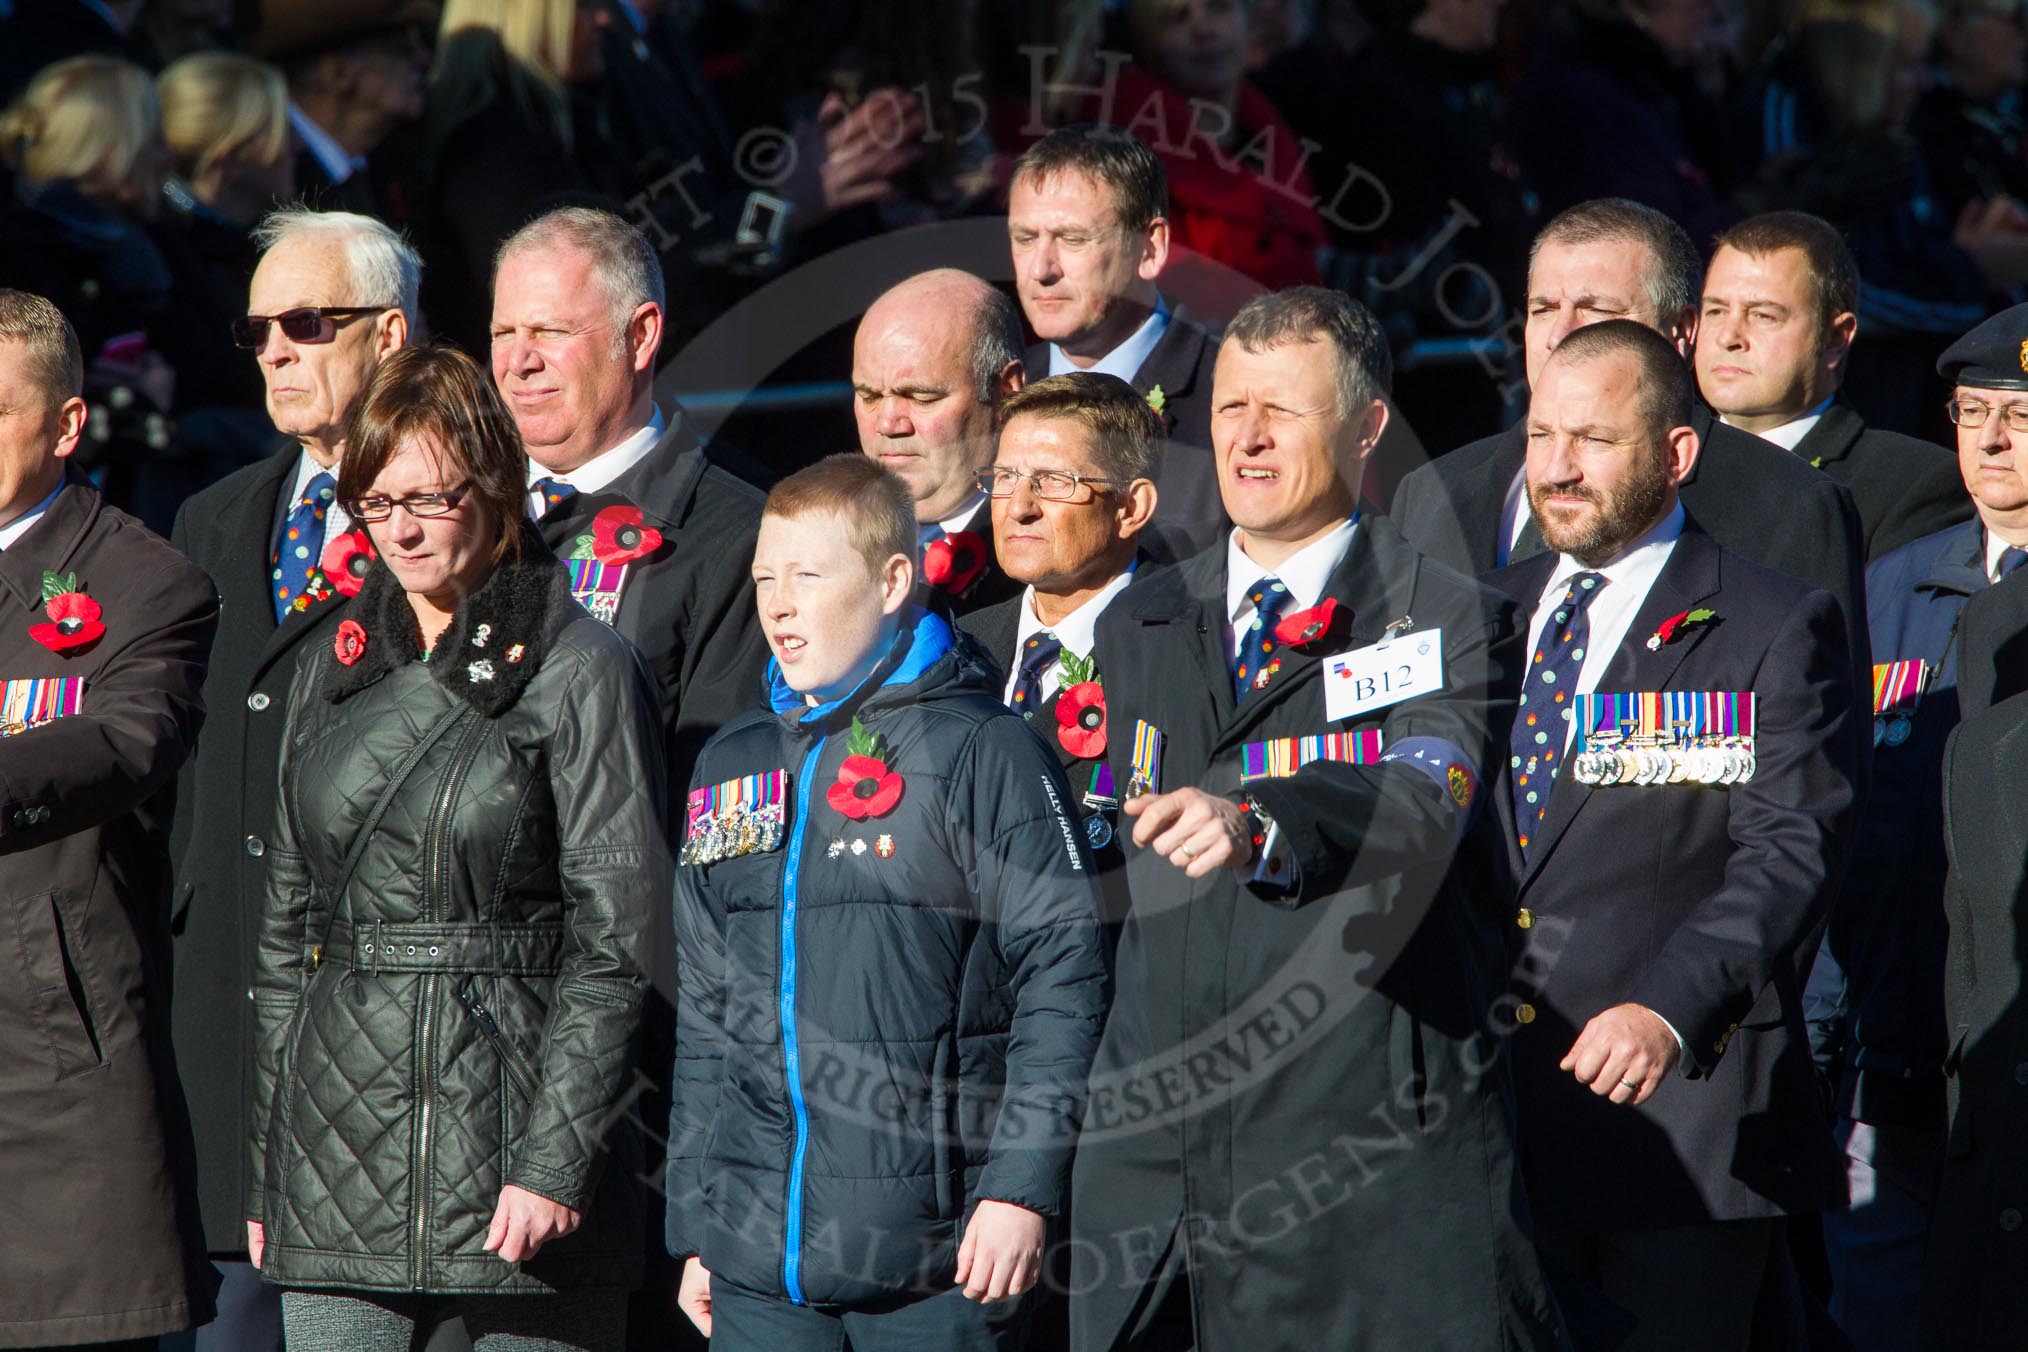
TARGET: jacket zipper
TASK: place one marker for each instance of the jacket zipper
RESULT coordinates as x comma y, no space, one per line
509,1061
435,849
792,1242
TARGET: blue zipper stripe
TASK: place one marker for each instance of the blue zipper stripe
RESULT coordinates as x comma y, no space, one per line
792,1243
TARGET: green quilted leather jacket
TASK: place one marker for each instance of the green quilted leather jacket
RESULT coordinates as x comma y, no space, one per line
461,1013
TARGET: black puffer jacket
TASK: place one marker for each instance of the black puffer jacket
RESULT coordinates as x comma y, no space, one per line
884,1020
461,1014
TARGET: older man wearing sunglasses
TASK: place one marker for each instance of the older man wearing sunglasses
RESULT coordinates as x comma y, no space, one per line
332,298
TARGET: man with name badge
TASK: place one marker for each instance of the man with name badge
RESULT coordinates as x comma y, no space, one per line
1073,488
1876,993
1616,259
933,359
1306,717
1775,334
1088,216
1678,792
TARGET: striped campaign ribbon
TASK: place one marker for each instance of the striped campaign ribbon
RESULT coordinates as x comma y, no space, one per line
1283,756
26,704
1899,685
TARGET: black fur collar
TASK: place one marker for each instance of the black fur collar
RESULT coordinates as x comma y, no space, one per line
495,642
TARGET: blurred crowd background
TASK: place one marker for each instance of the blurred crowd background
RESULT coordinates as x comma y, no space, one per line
1403,150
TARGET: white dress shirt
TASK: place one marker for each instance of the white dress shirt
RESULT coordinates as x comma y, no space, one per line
1074,631
1628,579
602,469
20,525
1995,547
1126,360
1304,575
339,163
927,531
336,520
1790,433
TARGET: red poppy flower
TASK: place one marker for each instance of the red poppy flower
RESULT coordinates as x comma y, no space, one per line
346,561
1667,630
1081,720
865,788
954,563
1309,626
350,645
619,537
74,623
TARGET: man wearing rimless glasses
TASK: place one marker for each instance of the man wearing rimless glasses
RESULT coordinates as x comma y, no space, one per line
333,296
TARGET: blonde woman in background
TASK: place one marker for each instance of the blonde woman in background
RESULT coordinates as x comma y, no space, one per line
498,140
84,143
225,122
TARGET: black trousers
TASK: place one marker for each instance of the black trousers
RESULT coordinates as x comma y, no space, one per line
1688,1288
746,1321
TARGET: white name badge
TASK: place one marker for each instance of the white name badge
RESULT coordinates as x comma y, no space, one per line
1386,673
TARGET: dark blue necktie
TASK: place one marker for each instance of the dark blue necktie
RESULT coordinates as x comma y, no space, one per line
2011,558
1547,694
1257,644
1038,655
301,541
555,492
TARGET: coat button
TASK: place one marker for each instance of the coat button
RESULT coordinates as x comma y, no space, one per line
2010,1220
257,701
1525,918
1524,1013
256,847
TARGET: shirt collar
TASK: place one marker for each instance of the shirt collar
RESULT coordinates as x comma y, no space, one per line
951,525
337,521
1074,631
1304,574
1790,434
1126,360
1995,547
1634,567
339,163
603,469
20,525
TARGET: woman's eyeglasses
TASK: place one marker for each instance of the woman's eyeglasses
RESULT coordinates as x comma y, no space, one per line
311,324
379,507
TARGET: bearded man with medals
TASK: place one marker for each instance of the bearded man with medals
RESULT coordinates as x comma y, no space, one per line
1666,900
1297,1129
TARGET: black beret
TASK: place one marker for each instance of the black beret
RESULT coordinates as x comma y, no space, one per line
1993,356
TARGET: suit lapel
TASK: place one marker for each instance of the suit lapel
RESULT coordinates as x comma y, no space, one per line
1191,595
1689,577
1172,363
1834,436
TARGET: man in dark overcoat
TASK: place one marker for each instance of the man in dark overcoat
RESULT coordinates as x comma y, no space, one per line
103,634
1297,1132
284,558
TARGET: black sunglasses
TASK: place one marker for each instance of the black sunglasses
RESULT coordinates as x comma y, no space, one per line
311,324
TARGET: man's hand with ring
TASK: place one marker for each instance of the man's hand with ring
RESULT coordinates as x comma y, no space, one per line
1623,1054
1196,831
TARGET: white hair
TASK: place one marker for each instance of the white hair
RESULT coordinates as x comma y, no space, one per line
385,269
623,263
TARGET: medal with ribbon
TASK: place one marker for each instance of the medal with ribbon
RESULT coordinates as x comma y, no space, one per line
1897,689
1147,772
1664,737
739,817
599,561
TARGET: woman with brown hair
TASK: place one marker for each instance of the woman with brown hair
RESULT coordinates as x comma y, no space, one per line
450,973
